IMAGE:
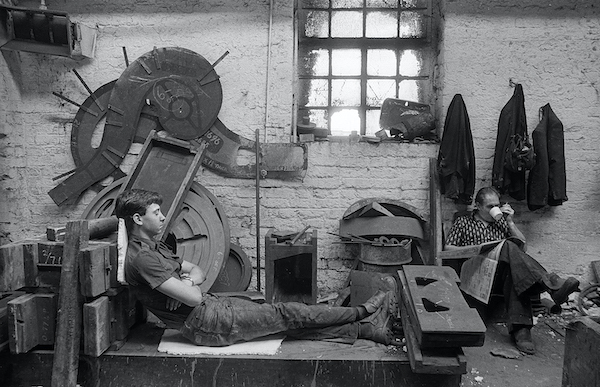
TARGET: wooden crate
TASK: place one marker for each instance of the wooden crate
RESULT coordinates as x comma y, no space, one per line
31,321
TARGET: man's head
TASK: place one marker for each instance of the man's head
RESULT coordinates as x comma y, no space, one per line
485,200
140,209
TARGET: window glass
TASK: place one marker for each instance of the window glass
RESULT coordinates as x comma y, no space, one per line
411,25
313,62
346,3
345,92
317,92
382,24
346,62
381,62
344,122
346,24
316,24
382,3
380,89
353,54
372,122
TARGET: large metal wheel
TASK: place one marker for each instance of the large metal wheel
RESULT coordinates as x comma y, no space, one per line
201,228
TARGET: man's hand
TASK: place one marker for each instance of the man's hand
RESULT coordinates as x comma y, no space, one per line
173,304
507,210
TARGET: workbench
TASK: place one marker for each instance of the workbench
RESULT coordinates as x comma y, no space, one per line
297,363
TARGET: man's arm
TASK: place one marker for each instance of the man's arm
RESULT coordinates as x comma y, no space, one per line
181,290
513,230
193,272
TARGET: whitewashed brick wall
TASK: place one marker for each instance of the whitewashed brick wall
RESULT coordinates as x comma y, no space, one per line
551,49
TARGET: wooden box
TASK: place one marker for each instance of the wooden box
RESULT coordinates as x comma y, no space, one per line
31,321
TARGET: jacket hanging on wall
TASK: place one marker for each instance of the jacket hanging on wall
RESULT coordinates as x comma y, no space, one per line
547,183
456,158
513,154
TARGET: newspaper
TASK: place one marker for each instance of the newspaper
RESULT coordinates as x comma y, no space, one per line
477,274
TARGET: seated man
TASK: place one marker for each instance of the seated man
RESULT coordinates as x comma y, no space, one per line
519,275
168,287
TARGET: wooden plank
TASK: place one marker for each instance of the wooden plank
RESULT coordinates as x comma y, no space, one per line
68,329
582,357
12,267
4,299
441,316
435,214
314,366
447,361
21,327
31,321
96,327
55,233
50,258
95,269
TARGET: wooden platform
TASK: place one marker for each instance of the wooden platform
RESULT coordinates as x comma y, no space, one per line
298,363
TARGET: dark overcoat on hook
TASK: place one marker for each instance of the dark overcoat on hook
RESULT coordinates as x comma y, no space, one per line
512,121
456,158
547,184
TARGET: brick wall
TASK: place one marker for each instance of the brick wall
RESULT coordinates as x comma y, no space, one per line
550,49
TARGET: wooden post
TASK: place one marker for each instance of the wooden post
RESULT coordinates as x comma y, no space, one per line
70,302
435,214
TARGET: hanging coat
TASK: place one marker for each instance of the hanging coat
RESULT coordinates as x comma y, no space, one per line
512,121
547,184
456,157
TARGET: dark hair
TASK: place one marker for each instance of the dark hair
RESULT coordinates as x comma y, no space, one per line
485,191
135,201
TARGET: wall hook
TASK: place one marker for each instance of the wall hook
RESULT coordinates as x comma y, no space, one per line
511,83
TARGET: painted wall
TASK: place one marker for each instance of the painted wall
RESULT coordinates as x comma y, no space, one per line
550,49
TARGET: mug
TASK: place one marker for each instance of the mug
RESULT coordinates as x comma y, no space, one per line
496,213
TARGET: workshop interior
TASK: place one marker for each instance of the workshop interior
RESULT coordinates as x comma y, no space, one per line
306,151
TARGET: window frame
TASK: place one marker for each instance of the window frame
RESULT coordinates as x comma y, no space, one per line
398,44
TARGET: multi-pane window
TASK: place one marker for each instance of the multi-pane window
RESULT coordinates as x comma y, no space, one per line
353,54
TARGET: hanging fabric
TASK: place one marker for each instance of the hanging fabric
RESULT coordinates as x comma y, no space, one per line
456,157
547,184
513,154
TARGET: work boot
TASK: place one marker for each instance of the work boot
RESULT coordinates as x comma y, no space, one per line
378,326
523,340
374,303
560,288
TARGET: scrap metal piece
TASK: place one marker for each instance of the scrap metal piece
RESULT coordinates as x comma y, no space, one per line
166,80
277,160
202,227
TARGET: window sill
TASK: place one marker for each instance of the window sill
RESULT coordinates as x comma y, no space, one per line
372,140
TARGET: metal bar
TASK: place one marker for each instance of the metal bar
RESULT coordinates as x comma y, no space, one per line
293,241
125,56
89,91
257,139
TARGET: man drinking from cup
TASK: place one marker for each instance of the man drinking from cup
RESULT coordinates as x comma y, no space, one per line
519,276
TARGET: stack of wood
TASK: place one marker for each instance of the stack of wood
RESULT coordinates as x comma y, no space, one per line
32,278
436,319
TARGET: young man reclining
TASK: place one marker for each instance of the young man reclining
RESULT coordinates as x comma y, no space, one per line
168,287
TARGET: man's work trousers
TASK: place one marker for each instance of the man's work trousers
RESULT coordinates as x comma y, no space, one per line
519,276
220,321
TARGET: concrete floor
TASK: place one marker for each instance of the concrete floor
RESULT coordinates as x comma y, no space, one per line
493,364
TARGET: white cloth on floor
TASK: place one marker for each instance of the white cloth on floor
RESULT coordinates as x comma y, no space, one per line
174,343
